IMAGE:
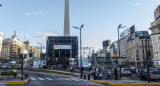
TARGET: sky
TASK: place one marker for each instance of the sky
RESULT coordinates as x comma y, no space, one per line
36,19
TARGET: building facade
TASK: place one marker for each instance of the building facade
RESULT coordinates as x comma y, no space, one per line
1,39
136,50
62,50
155,28
11,47
113,49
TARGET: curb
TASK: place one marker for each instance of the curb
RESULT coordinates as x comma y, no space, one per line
54,74
18,82
125,79
123,84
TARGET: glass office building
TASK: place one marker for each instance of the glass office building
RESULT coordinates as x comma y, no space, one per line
62,50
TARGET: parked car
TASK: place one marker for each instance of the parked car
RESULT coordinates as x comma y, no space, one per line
126,71
154,75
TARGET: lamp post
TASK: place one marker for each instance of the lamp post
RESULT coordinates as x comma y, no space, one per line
120,26
41,53
81,70
0,4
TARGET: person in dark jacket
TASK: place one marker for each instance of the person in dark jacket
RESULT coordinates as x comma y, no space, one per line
115,73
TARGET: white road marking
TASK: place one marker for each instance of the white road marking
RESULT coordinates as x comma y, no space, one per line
41,78
33,78
48,78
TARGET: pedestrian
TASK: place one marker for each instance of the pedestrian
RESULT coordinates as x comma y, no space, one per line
15,72
141,75
109,74
97,73
70,68
115,73
81,72
94,73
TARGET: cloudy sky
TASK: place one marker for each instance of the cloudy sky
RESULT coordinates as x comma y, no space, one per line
37,19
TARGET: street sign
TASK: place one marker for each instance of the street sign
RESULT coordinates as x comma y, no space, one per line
120,61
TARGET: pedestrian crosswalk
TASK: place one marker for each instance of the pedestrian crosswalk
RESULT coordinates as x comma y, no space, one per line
48,78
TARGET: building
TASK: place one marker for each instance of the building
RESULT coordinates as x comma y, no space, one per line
124,35
11,47
62,50
113,49
1,39
155,28
136,50
106,43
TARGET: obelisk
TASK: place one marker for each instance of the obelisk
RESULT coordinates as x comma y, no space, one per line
66,19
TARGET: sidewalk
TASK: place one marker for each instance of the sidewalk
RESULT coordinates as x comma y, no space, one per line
127,82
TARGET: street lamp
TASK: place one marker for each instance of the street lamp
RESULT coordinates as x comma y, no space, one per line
120,26
0,5
81,70
41,53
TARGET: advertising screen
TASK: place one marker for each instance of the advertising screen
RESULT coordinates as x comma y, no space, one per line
157,13
156,63
62,46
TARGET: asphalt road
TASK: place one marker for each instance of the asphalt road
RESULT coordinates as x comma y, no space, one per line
46,80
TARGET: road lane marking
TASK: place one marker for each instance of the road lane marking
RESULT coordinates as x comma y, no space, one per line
33,78
40,78
48,78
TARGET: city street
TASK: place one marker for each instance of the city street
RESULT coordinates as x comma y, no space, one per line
44,80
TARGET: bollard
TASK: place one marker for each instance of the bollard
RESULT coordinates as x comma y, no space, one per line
84,76
88,76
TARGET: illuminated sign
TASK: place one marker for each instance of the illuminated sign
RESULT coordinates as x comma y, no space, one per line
156,63
12,62
62,46
157,13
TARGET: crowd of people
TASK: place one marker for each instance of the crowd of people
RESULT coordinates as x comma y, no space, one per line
97,73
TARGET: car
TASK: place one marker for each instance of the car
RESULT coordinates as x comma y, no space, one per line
154,75
126,71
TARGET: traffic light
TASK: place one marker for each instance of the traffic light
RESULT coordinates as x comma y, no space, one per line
149,55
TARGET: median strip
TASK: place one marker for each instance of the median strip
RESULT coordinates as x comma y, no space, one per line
18,82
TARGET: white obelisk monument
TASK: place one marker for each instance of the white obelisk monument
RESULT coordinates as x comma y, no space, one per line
66,19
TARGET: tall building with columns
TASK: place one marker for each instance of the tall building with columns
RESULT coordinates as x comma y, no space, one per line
1,39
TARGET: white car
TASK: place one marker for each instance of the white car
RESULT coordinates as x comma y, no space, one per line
126,71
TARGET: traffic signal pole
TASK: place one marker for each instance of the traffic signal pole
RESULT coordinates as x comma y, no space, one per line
148,62
148,54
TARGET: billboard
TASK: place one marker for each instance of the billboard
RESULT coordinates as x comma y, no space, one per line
106,43
124,33
156,63
38,63
157,13
62,46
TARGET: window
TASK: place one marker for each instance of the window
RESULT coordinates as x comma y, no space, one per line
142,42
137,59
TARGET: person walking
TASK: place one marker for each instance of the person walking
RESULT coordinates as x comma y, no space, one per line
94,73
81,72
109,74
97,73
115,73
